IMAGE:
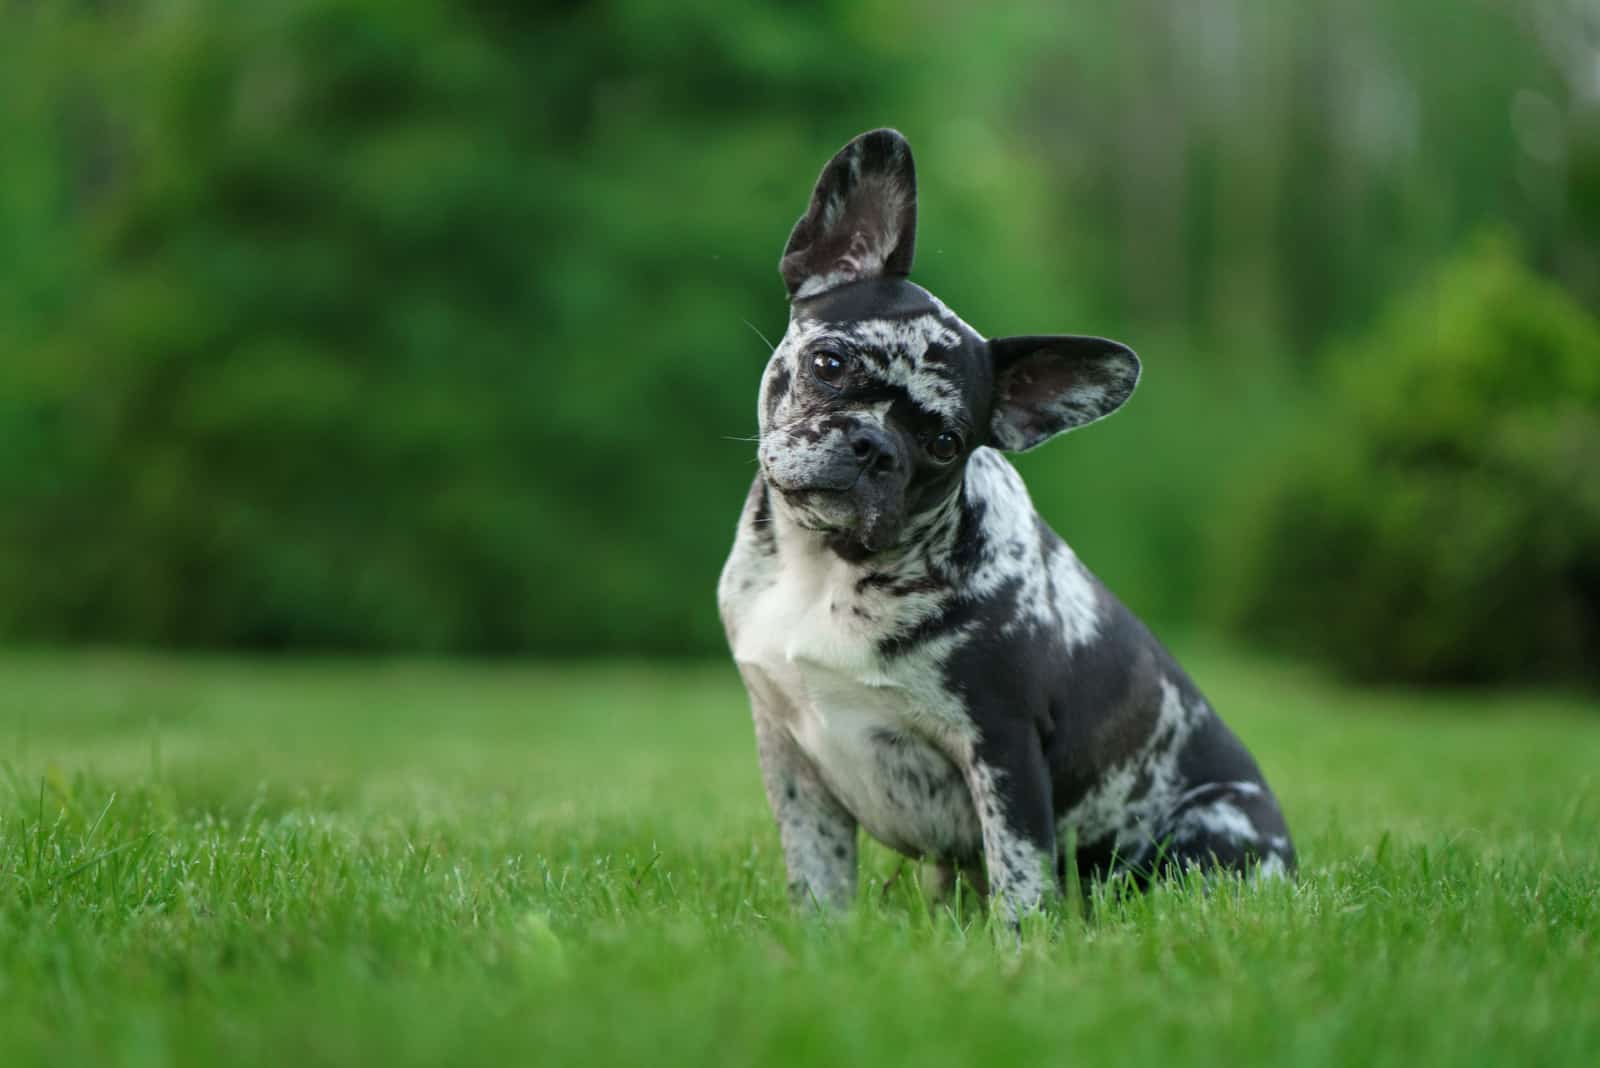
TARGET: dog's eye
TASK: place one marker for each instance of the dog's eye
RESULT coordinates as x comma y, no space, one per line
829,368
945,447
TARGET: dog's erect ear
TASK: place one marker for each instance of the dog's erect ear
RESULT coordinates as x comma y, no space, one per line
862,222
1045,385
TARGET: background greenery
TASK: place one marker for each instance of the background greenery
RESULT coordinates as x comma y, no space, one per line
1444,524
416,328
421,326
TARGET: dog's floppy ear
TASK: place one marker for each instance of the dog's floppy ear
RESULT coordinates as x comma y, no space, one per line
1045,385
862,222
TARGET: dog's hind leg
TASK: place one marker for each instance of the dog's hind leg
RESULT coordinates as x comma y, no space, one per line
1220,826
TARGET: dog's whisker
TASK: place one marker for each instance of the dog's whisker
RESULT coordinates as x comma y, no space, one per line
770,346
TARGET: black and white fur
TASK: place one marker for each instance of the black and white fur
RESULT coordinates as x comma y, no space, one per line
925,658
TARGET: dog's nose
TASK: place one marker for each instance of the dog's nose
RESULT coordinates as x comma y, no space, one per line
873,449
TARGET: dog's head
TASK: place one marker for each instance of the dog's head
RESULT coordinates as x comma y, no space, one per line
878,393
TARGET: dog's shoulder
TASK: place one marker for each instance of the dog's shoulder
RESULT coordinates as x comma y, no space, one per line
1014,567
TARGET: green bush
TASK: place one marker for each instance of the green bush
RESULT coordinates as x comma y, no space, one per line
401,326
356,324
1443,521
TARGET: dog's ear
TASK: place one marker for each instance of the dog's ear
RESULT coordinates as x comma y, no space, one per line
1045,385
862,222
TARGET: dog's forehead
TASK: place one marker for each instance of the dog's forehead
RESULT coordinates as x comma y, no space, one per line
904,339
882,301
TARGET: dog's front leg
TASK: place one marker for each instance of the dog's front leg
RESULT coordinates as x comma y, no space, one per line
818,835
1010,787
817,832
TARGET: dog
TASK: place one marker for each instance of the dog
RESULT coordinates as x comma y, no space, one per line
925,659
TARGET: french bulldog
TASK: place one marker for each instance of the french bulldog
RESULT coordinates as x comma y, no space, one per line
926,660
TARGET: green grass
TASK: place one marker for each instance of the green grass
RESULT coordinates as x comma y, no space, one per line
303,863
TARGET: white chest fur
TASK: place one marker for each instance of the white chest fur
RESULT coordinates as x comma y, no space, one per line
878,731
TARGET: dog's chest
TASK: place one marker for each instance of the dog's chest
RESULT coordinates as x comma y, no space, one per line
877,732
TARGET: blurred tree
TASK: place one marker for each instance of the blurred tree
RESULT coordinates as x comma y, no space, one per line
423,325
1444,524
391,313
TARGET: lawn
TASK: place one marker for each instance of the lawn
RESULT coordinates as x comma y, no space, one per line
330,862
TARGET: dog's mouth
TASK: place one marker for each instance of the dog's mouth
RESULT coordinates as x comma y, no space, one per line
818,487
825,511
854,528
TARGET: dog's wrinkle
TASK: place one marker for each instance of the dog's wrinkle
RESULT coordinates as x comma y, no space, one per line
851,550
878,579
811,435
951,618
761,518
926,583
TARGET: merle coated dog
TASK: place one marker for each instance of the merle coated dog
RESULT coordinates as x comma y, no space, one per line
925,658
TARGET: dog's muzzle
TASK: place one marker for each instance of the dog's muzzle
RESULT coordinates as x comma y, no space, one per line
851,484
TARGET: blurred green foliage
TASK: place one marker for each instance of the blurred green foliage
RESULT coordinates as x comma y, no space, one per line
1444,525
372,325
